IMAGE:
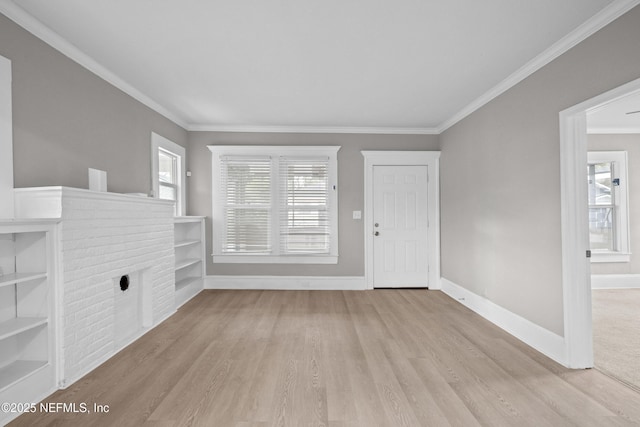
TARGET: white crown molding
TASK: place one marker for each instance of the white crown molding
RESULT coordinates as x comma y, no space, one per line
582,32
612,130
595,23
46,34
313,129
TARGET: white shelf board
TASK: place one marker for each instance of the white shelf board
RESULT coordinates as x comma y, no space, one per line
186,263
184,243
14,278
187,282
19,369
20,324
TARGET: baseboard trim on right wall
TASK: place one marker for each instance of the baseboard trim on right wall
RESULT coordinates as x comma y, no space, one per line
615,281
541,339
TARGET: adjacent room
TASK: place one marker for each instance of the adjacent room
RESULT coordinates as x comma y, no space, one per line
319,213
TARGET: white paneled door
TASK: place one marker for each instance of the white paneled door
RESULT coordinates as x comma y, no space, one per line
400,223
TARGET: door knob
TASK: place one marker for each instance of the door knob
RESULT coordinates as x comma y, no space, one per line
377,233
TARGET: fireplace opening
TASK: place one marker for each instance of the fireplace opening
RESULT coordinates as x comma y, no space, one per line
124,282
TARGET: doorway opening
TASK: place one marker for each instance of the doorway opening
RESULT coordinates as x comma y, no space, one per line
613,143
577,298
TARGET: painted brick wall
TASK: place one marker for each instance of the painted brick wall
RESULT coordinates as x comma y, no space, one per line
101,241
103,237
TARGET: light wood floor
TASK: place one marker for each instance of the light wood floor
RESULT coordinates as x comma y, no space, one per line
332,358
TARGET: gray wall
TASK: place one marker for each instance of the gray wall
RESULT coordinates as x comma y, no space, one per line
66,119
631,144
350,192
500,177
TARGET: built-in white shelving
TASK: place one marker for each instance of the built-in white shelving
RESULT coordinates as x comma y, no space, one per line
27,301
189,250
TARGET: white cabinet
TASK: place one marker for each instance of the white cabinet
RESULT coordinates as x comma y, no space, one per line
189,246
27,302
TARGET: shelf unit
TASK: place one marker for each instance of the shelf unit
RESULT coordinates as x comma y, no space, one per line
189,248
27,301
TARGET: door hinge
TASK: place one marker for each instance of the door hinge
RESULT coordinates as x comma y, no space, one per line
588,253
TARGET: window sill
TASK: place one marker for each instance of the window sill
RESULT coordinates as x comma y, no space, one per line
610,257
270,259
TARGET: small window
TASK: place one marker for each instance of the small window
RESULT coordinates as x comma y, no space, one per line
275,204
168,160
608,212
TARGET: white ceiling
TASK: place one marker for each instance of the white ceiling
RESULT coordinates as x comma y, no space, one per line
613,117
402,65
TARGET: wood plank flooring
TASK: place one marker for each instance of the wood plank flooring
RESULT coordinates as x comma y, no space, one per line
334,358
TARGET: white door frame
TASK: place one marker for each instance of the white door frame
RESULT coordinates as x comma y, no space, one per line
431,159
6,141
576,279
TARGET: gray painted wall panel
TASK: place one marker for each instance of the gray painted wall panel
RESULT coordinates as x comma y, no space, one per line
66,120
350,196
500,177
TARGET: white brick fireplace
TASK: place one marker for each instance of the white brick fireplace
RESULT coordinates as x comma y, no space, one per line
105,237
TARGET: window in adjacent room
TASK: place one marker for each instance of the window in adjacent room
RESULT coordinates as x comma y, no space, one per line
275,204
168,169
608,212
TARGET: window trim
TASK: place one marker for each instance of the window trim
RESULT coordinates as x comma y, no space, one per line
622,228
159,142
275,152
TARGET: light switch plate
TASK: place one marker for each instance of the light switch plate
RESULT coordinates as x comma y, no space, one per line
357,214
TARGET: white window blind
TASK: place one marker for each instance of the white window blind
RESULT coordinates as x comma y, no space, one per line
305,226
274,204
247,204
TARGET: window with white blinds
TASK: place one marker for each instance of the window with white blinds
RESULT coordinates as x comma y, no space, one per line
274,204
305,223
168,172
247,205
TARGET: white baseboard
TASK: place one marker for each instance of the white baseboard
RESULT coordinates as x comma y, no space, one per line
341,283
67,382
543,340
615,281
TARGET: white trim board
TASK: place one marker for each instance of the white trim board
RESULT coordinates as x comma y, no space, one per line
327,283
543,340
615,281
6,140
316,129
67,382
